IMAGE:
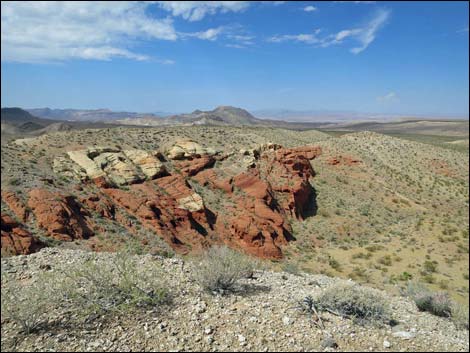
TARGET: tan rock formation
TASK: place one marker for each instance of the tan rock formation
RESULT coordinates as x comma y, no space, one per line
186,149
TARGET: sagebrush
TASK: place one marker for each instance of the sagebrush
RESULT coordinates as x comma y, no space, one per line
362,304
219,269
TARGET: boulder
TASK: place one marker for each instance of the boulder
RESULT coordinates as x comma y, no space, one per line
82,159
187,149
148,164
109,165
118,168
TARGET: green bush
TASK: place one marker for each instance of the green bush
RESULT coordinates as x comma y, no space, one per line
219,269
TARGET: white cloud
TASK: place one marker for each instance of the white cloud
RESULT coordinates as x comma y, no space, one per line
368,33
275,3
389,97
310,8
210,34
242,41
356,2
303,37
363,35
236,46
197,10
55,31
345,34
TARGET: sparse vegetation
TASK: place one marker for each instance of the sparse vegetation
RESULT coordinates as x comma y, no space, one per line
27,304
120,285
219,269
437,303
94,288
362,304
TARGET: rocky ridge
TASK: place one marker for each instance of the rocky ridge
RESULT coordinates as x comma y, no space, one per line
166,191
260,319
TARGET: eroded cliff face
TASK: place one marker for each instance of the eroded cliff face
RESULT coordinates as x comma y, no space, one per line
188,195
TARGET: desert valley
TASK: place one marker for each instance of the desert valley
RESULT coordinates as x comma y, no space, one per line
380,209
234,176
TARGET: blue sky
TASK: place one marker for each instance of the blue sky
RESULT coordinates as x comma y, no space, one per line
377,57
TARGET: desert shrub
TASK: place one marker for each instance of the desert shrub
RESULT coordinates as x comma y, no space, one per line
362,304
334,264
219,269
437,303
430,266
117,285
291,268
28,304
459,316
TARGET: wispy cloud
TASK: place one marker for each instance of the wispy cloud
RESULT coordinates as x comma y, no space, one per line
463,30
309,8
240,41
389,97
197,10
363,35
356,2
309,38
368,34
210,34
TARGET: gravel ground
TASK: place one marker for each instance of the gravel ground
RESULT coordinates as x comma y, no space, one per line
262,319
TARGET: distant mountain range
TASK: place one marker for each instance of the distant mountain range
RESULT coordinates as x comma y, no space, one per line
220,115
87,114
223,115
16,122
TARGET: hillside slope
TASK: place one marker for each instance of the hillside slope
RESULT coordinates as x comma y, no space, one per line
262,317
379,209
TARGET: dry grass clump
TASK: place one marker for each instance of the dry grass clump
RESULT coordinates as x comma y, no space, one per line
118,285
439,304
460,316
362,304
219,269
27,304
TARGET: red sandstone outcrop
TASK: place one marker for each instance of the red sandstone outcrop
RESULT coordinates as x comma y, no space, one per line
16,205
342,160
288,171
170,208
15,239
257,225
193,166
209,177
62,217
257,199
100,205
